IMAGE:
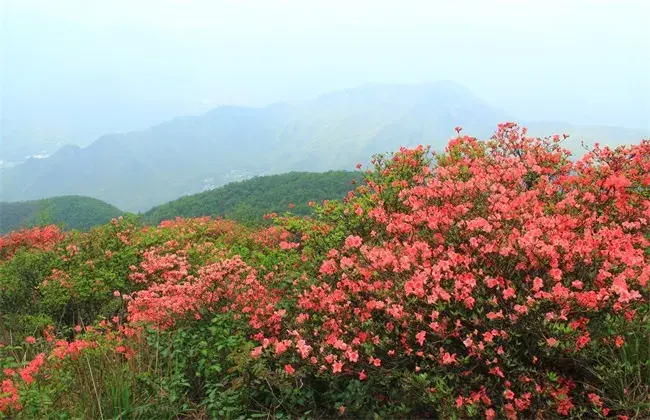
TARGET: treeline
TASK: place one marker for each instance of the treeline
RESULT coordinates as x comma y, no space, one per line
68,212
248,201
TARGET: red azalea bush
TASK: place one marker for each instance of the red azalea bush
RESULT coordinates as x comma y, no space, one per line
44,238
499,279
487,282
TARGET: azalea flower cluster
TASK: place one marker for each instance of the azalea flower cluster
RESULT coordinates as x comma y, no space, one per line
44,238
225,286
498,245
481,279
15,380
474,265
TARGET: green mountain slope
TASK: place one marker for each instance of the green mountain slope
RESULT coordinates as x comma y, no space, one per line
71,212
248,201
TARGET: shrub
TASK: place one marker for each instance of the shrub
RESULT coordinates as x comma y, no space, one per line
499,279
491,277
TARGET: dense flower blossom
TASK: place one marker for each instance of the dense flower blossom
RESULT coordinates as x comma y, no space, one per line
508,228
40,238
27,373
10,398
482,266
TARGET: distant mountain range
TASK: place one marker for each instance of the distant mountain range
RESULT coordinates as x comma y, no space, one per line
21,140
141,169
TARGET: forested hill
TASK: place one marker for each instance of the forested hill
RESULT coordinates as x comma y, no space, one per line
248,201
70,212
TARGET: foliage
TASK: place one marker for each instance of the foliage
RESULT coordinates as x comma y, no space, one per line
499,279
248,201
71,212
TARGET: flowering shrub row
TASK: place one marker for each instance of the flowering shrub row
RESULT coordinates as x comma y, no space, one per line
499,279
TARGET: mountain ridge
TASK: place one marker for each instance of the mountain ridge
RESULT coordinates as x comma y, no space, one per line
141,169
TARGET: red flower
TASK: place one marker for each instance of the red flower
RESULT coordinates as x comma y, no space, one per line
289,369
353,241
619,341
336,366
421,337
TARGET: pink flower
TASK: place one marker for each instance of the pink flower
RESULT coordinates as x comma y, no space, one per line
27,373
619,341
117,293
30,340
347,263
617,181
336,366
284,245
556,273
496,371
468,342
551,342
494,315
289,369
353,241
352,356
420,337
448,359
595,399
328,267
490,414
509,293
257,351
280,347
582,341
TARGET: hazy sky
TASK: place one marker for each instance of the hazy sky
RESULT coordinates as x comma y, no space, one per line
123,64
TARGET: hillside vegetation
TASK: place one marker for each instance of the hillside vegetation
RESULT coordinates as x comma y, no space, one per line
498,279
69,212
249,201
